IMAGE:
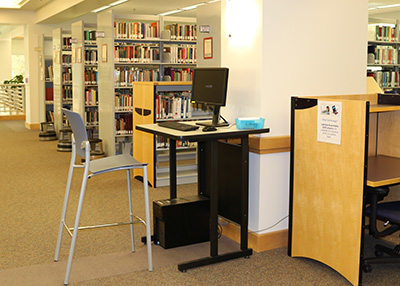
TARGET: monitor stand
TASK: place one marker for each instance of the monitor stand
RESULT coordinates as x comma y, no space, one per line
215,120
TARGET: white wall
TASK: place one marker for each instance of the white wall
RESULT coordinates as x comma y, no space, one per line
307,47
5,59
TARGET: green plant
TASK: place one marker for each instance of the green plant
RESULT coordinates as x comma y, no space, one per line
15,80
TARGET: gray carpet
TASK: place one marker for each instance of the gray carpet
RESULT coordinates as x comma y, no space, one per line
32,183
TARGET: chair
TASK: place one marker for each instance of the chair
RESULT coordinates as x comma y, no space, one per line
388,212
81,146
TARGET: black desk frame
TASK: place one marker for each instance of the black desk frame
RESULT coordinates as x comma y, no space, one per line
213,138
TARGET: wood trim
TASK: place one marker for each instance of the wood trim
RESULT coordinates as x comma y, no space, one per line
269,145
32,126
266,145
12,117
258,242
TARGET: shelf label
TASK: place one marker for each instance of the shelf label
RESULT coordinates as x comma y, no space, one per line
204,29
100,34
329,122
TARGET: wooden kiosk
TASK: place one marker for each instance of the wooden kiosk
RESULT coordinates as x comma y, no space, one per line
327,180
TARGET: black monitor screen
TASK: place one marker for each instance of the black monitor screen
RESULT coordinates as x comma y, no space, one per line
210,86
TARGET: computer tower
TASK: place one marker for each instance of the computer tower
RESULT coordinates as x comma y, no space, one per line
181,221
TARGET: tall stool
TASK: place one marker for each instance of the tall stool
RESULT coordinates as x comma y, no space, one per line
81,147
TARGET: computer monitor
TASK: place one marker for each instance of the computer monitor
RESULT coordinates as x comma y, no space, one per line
210,87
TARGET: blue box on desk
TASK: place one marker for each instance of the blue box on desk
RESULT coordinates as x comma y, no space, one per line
250,123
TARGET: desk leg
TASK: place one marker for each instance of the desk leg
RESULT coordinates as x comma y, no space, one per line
172,169
245,193
214,199
244,251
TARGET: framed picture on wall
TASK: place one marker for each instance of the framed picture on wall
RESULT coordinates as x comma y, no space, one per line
207,48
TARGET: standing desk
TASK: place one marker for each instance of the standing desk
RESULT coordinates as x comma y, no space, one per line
328,181
211,140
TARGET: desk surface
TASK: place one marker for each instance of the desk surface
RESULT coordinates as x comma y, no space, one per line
199,135
383,171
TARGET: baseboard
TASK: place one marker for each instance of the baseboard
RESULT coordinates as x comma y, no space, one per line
258,242
12,117
32,126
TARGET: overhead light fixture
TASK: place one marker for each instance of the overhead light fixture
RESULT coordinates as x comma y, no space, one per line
11,4
385,7
109,6
187,8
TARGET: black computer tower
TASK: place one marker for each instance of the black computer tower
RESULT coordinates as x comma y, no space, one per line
181,221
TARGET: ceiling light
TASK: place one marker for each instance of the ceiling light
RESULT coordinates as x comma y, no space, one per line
187,8
384,7
109,6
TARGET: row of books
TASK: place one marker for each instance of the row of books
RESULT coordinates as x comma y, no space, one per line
383,33
137,30
125,76
179,74
138,53
386,79
67,76
173,105
163,143
48,73
49,116
386,55
182,32
90,57
67,94
66,43
123,101
123,124
182,54
92,118
91,97
89,35
66,59
91,76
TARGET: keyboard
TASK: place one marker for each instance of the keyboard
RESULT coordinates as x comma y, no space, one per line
178,126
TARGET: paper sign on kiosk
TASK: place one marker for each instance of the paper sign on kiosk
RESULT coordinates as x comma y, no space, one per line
329,122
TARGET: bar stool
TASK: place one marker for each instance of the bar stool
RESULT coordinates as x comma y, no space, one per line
81,147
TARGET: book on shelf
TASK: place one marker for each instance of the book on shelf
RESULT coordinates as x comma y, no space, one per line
49,94
173,105
92,118
136,53
385,55
163,143
182,54
135,30
386,79
48,73
179,74
123,124
386,33
91,97
182,31
49,116
90,57
123,101
91,76
125,76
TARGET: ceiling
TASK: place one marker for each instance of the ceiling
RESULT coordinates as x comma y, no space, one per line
61,11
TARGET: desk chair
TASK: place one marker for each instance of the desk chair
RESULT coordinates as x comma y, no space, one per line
81,146
388,212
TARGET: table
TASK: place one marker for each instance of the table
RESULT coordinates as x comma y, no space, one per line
212,137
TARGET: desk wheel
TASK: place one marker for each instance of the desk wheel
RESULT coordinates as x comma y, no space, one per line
183,271
247,257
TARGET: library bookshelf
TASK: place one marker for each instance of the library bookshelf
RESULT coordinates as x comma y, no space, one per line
161,101
130,50
383,60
